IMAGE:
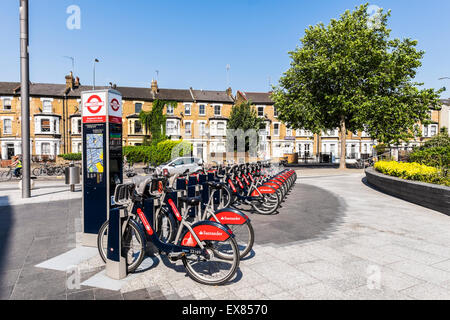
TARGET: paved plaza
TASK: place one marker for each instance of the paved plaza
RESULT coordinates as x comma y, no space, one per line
334,238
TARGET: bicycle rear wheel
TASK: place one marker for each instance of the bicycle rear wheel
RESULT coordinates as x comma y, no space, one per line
7,175
133,244
244,236
267,204
215,270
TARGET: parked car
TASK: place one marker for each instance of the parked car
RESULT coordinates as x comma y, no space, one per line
181,165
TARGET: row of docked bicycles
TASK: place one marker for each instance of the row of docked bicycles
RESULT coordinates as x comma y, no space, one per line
195,218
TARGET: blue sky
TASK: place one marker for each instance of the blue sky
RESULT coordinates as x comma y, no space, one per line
191,42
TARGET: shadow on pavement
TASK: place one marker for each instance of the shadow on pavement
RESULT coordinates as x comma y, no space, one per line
308,212
6,225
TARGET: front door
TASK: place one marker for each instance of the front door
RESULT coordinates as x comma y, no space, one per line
10,148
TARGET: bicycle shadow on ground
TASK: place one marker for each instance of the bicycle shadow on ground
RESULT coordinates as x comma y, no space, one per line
149,262
249,256
250,211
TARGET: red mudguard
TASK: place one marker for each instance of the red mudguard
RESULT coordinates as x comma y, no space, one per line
272,184
263,190
230,216
206,230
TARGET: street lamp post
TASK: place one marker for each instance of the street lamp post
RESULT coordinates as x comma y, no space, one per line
24,96
93,87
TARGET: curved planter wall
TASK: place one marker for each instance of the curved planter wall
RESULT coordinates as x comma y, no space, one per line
428,195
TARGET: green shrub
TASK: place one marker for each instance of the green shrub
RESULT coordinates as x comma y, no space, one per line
164,150
71,156
438,157
158,154
137,154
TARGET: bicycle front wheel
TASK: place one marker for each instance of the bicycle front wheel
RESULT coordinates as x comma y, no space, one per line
133,245
214,270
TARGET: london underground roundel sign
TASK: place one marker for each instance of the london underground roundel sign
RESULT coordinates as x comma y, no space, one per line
115,105
101,106
94,104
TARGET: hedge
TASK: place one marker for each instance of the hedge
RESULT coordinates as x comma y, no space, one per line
438,157
412,171
71,156
158,154
137,154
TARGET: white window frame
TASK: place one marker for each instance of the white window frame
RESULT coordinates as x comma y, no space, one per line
435,126
257,111
186,122
3,103
426,133
138,102
289,132
44,100
10,119
221,132
201,132
134,126
204,109
275,112
176,127
49,149
190,109
276,132
214,107
171,108
277,149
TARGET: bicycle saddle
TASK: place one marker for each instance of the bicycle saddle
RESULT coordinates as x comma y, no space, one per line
140,183
192,201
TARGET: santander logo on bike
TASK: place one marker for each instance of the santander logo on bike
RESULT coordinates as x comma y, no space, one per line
206,233
224,218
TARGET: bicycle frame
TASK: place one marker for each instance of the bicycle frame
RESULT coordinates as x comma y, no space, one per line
188,247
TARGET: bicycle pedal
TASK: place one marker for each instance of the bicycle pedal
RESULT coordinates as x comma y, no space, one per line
175,256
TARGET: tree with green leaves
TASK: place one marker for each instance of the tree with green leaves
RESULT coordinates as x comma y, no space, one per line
351,75
155,121
243,116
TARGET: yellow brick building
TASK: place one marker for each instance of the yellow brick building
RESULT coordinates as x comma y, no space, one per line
200,117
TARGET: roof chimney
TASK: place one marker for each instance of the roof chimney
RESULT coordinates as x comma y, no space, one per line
229,92
154,86
69,81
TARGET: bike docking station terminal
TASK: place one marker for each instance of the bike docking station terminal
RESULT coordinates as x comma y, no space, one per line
102,172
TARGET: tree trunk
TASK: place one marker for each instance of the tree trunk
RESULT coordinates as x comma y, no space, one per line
343,132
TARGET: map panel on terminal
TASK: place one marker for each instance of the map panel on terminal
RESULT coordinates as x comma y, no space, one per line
94,150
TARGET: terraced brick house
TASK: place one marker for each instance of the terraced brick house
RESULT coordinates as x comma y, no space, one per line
199,116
